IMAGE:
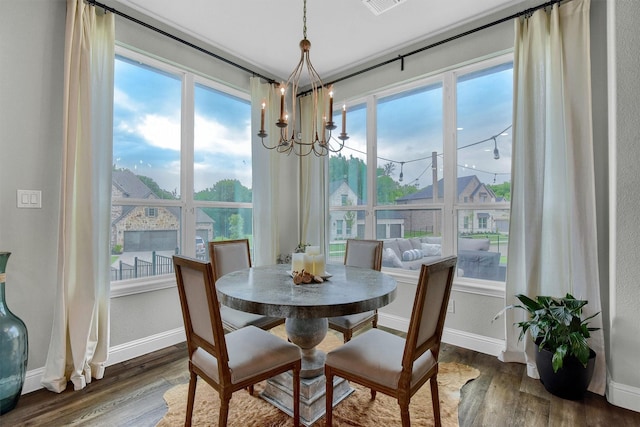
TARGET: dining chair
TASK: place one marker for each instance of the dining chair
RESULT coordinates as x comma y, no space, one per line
228,256
396,366
230,362
366,254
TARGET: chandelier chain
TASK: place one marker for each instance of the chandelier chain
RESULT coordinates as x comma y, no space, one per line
304,20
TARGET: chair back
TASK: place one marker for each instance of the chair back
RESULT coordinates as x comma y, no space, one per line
228,256
364,253
201,311
429,310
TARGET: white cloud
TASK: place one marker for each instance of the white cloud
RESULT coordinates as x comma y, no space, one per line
160,131
122,101
213,137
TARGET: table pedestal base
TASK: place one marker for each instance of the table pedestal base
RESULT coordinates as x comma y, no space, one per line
279,392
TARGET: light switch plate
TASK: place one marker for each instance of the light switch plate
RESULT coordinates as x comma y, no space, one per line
31,199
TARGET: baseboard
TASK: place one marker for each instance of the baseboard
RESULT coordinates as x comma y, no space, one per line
122,352
623,395
475,342
479,343
32,380
118,353
393,322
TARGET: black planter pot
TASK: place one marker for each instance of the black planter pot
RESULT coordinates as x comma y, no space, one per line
571,381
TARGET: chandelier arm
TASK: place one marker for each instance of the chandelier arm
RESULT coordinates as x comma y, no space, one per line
320,142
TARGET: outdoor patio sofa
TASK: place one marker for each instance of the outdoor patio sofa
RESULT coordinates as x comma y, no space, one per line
474,258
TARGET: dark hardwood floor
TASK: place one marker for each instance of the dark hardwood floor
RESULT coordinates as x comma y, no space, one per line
131,395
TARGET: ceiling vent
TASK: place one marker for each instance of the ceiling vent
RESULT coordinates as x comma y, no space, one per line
377,7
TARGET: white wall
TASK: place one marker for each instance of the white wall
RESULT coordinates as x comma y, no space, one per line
31,58
624,339
31,55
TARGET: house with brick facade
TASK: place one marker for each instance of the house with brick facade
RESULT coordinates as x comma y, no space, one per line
144,228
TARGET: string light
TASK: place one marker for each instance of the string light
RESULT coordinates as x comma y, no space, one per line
496,156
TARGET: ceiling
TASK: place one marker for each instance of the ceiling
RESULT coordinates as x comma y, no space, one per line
343,33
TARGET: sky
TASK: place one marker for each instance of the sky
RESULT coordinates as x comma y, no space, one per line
410,128
147,111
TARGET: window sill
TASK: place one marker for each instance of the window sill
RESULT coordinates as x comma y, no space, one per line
460,284
138,286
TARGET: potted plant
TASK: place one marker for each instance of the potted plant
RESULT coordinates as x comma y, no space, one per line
564,359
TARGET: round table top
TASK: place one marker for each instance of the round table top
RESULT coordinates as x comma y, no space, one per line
269,290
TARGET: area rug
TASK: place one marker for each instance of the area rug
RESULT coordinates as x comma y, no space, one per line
357,410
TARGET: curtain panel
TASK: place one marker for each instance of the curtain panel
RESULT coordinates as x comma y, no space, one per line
552,235
265,175
80,336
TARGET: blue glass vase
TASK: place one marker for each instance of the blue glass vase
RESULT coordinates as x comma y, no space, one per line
14,349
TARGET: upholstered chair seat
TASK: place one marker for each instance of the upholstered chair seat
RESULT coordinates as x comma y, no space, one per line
244,361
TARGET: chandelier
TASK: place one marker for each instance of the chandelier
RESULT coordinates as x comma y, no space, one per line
321,141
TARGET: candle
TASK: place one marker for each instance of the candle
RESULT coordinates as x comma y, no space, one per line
318,265
281,102
330,105
262,116
297,262
308,263
344,119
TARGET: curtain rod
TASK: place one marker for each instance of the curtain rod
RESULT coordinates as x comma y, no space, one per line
400,58
348,76
178,39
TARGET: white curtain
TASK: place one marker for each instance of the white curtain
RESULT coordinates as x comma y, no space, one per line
266,174
80,337
313,182
552,234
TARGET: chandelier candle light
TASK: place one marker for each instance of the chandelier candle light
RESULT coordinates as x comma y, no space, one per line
321,142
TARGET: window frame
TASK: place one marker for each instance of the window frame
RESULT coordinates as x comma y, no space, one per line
450,206
187,203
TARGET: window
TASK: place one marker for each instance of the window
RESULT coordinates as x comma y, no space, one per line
180,179
151,212
442,154
484,106
348,184
482,221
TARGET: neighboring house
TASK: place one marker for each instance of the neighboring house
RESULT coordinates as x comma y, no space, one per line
470,190
144,228
345,224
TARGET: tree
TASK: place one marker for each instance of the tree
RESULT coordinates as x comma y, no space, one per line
389,168
501,190
228,190
349,217
353,171
162,194
236,227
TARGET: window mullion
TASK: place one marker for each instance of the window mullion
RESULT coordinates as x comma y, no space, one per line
449,134
372,152
186,166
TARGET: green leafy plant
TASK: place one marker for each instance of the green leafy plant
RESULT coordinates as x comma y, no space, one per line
557,325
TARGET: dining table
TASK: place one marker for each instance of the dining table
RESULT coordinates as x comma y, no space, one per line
270,290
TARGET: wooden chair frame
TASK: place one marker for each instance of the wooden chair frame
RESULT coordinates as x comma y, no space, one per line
218,348
412,351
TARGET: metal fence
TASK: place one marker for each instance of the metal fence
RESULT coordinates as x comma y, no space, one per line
158,265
